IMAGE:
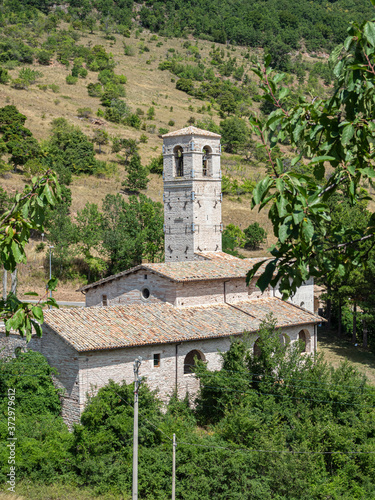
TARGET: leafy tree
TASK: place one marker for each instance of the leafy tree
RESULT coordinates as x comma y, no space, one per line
26,213
69,149
101,138
335,131
43,440
132,231
156,165
255,236
234,134
232,238
128,146
62,234
137,175
89,225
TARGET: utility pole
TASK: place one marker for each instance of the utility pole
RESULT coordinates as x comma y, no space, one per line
50,269
137,382
174,468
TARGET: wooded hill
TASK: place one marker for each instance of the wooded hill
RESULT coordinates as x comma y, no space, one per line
93,65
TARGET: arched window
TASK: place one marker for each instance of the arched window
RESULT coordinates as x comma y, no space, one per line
206,161
304,338
189,361
179,161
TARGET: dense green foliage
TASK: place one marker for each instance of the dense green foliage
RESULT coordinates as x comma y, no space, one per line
255,236
338,131
99,243
258,24
270,425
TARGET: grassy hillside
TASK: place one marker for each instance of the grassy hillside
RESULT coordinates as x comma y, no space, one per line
202,63
146,86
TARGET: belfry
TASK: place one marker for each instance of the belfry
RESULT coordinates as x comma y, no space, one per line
192,193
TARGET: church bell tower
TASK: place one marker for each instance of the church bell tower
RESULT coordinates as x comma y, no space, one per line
192,193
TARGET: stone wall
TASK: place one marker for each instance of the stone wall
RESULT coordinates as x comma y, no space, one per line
66,361
128,290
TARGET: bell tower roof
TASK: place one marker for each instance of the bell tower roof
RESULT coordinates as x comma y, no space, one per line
191,131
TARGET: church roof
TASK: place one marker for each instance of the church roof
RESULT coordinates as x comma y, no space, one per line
99,328
191,131
193,270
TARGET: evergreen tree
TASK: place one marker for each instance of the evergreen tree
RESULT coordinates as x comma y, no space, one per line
137,178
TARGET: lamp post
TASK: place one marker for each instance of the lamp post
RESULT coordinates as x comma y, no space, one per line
50,270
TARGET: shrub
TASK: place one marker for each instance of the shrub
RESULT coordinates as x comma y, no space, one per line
55,88
185,84
143,139
4,76
71,80
163,131
156,165
84,112
255,236
151,113
44,57
128,50
82,72
171,123
40,247
94,89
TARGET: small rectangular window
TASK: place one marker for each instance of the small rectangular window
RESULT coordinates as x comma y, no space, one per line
156,360
104,300
145,276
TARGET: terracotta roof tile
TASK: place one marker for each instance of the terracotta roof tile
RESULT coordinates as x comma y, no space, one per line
191,131
194,270
99,328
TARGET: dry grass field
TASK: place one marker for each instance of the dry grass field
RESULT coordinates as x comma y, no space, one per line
146,86
337,350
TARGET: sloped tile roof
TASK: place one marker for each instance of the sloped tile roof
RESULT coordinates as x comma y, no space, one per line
191,131
216,256
99,328
194,270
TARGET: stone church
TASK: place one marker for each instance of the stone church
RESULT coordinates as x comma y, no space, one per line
173,312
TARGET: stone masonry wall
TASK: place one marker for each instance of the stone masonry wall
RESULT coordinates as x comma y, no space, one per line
66,361
195,293
127,290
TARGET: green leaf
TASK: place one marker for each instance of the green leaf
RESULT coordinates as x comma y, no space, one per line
318,159
307,229
347,134
369,32
38,313
32,294
253,270
319,171
266,277
283,93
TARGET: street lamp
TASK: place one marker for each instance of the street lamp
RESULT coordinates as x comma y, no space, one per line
50,270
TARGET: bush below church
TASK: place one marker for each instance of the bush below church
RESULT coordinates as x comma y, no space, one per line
275,425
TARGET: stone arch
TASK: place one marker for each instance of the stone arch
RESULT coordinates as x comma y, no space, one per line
305,338
178,154
206,161
189,361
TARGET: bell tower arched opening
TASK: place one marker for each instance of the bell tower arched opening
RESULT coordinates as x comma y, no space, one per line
207,161
179,161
